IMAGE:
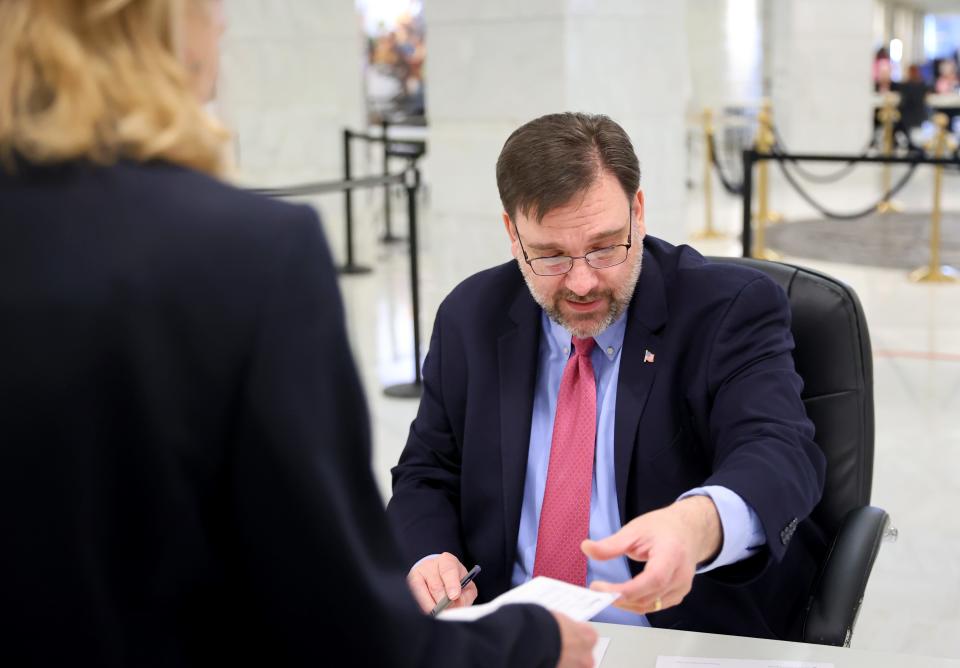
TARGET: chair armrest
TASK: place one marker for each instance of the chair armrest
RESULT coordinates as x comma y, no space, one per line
838,591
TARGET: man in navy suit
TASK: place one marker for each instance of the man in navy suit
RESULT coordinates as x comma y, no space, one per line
611,410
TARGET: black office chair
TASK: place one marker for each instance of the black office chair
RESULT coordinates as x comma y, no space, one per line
833,357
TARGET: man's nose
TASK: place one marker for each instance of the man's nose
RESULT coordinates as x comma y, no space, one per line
582,278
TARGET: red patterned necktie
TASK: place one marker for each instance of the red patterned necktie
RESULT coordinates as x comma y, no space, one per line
565,515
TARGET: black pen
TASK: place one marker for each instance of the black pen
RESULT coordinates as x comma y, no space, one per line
445,601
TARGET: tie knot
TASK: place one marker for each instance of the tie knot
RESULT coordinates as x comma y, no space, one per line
583,346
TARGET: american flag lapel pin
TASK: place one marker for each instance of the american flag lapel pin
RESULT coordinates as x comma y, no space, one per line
647,357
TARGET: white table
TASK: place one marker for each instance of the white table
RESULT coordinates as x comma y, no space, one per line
638,647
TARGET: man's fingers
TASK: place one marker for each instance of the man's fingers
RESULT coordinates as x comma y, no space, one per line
451,572
641,593
631,598
467,596
420,592
649,605
631,540
450,577
643,585
434,582
600,585
612,546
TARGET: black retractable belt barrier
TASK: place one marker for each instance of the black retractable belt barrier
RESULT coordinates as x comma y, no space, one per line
327,187
388,235
411,149
349,267
412,390
410,180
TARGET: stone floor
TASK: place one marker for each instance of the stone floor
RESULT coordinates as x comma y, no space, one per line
895,240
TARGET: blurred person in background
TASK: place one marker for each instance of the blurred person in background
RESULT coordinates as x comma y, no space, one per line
947,81
913,105
883,77
184,445
881,64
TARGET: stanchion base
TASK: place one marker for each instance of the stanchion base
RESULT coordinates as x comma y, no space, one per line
941,274
404,391
773,218
391,239
889,207
709,234
353,269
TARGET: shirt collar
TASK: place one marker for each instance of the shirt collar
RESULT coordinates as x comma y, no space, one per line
609,341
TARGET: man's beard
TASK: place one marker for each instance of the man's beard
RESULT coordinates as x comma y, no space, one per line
587,325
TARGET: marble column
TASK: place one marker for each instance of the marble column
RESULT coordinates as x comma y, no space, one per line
494,65
292,76
821,53
291,80
724,46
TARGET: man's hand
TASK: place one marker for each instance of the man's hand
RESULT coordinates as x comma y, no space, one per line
576,642
672,541
436,577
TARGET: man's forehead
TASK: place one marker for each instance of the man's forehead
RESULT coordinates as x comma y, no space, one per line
588,215
602,198
586,212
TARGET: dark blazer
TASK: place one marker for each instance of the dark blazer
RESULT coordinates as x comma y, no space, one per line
720,405
184,446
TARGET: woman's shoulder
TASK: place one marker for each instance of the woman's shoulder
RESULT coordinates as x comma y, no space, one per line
176,186
159,204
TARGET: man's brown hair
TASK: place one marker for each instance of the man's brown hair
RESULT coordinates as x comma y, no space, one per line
548,161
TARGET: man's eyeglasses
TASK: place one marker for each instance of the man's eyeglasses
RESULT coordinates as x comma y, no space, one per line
601,258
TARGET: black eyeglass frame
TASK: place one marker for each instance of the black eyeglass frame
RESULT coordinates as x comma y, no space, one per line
585,257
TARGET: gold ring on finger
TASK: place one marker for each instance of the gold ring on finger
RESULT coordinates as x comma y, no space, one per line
658,605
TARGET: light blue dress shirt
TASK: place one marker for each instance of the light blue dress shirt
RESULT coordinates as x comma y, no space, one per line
742,533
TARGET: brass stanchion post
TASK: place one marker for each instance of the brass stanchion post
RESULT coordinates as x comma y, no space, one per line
773,217
888,116
764,145
708,232
936,272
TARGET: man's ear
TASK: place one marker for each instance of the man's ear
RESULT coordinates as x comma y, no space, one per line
508,225
512,233
638,211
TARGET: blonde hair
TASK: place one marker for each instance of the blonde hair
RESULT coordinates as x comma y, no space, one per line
100,80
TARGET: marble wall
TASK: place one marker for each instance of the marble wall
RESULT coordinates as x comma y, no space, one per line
291,80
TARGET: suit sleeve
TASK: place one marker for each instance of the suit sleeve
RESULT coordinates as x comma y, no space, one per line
763,446
424,508
310,545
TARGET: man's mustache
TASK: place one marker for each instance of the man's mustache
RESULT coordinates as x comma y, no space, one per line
586,299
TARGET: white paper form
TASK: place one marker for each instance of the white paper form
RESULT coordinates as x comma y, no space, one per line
696,662
575,602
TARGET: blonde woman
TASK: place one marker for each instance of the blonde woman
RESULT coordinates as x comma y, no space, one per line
184,473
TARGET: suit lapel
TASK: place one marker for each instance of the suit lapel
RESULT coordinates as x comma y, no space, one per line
517,366
645,321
